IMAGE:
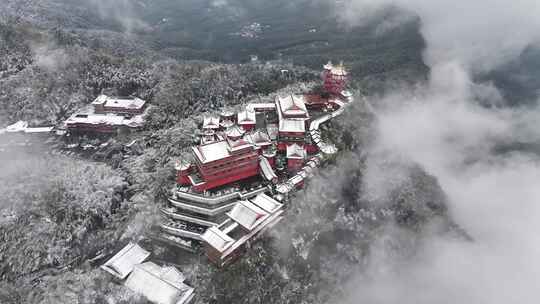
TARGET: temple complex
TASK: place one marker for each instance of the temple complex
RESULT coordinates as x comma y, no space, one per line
108,114
238,180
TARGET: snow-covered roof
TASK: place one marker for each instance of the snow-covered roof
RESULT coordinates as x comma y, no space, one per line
219,149
211,122
39,130
247,117
212,152
265,223
122,263
338,70
89,116
296,151
247,214
97,119
19,126
235,145
292,125
100,100
161,285
22,126
260,138
267,170
226,123
261,107
227,114
266,203
234,132
292,105
217,239
119,102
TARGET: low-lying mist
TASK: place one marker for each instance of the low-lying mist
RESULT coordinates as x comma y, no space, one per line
454,128
492,195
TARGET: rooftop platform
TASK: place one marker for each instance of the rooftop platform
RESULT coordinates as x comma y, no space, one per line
131,103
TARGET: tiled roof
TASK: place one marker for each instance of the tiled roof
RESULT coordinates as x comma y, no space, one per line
246,117
161,285
234,131
217,239
247,214
267,203
121,264
212,152
292,125
293,105
210,122
119,102
296,151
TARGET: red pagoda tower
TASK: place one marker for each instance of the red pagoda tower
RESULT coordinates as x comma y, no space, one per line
335,78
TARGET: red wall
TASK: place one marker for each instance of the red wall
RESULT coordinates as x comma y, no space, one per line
248,127
239,166
102,128
123,110
182,178
294,165
227,179
311,149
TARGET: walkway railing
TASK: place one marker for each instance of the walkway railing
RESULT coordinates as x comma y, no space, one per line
215,200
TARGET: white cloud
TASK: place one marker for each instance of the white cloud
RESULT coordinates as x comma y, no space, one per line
493,195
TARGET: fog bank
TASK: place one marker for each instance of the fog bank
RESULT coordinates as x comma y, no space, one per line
446,127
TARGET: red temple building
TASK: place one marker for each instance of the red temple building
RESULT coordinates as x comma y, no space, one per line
102,123
222,162
108,114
